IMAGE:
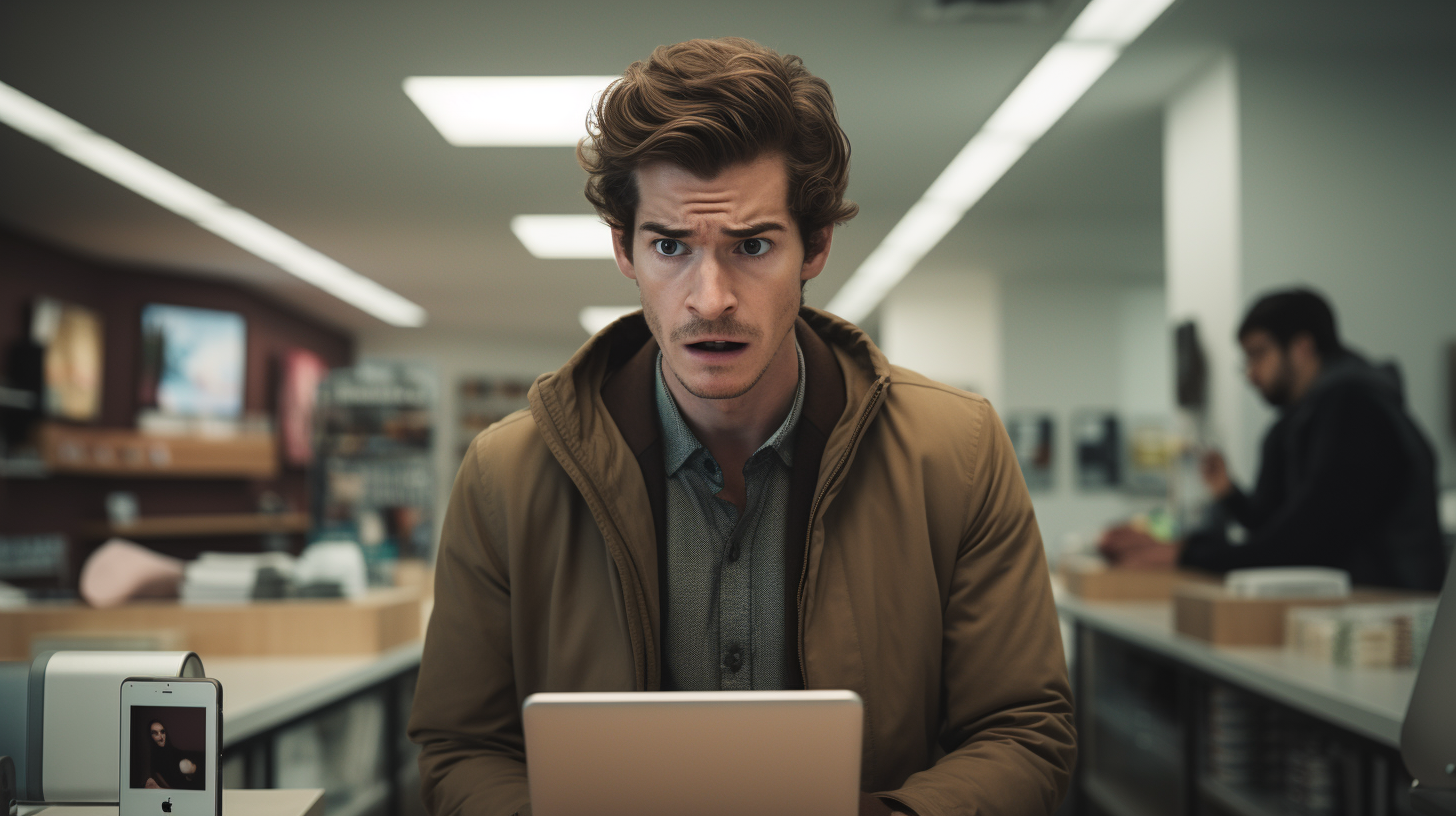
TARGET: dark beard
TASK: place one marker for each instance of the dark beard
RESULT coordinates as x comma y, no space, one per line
1279,392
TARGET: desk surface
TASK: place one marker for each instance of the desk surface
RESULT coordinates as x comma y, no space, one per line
1370,702
234,803
261,693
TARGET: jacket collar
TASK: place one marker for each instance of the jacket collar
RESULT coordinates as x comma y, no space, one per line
619,364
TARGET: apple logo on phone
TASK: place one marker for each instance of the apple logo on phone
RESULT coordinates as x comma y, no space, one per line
167,806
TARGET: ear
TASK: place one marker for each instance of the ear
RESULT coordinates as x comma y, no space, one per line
814,264
1302,346
619,252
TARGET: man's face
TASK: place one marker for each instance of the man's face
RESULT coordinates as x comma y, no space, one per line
1267,366
159,735
718,263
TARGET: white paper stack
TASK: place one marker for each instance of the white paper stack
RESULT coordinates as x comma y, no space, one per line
223,578
1288,582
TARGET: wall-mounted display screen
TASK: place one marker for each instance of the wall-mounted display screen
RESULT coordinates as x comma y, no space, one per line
193,361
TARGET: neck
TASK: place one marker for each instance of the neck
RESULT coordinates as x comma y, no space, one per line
732,429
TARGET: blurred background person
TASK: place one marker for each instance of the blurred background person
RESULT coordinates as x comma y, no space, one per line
1346,478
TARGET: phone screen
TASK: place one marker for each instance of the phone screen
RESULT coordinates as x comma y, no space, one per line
168,747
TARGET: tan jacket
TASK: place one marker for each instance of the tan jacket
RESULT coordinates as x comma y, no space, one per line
924,587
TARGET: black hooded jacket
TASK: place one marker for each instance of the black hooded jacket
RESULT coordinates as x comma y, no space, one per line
1346,480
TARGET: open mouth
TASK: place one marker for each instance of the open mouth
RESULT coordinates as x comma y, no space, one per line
717,345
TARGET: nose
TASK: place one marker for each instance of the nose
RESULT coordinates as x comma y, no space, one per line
712,293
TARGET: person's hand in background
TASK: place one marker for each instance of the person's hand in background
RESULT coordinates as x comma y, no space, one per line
1215,474
1126,546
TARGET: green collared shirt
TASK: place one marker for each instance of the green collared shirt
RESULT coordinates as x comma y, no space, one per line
725,570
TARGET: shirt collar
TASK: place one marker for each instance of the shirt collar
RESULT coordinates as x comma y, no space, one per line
679,442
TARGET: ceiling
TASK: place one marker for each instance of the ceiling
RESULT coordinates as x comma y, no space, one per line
294,112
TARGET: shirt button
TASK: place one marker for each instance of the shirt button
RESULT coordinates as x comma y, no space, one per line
733,659
710,467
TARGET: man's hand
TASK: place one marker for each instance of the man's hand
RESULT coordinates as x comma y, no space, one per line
1215,474
188,767
152,784
1124,546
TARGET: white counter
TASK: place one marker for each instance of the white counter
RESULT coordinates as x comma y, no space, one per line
234,803
1369,702
261,693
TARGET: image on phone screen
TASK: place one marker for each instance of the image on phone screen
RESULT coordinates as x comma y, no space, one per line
168,747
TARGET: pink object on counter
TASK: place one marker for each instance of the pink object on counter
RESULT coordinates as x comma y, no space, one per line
121,570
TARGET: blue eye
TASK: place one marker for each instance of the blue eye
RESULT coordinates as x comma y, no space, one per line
670,247
756,246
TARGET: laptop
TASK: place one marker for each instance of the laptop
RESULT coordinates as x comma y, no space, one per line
680,753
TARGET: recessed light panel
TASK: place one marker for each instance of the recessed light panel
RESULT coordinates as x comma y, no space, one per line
563,236
522,111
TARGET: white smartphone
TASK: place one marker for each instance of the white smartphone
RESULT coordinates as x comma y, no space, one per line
171,747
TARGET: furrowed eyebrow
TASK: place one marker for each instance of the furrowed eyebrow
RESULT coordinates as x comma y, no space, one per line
664,230
755,229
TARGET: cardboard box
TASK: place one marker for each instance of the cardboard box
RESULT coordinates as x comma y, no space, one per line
1093,580
379,621
1208,612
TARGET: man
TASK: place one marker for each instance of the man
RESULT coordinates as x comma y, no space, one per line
729,491
1346,478
170,767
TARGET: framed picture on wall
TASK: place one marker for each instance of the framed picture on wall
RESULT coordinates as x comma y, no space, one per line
1152,449
300,373
1033,436
193,361
73,358
1097,440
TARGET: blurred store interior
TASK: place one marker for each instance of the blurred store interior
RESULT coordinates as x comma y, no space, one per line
276,318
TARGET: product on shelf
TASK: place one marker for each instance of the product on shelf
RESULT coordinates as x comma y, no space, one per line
1365,635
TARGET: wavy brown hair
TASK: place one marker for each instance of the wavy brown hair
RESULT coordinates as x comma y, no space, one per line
707,104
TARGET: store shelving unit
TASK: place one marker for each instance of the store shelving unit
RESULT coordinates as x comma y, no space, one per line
221,524
374,437
120,452
342,731
1172,726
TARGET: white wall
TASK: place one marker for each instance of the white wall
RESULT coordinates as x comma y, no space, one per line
1203,244
1080,345
947,326
1046,347
454,356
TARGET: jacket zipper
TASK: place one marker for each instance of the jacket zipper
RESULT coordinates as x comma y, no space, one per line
814,508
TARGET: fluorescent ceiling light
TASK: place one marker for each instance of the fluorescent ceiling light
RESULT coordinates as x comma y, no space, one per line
974,170
1054,84
188,200
564,236
1116,21
596,318
522,111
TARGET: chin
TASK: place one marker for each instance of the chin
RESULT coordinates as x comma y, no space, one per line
716,388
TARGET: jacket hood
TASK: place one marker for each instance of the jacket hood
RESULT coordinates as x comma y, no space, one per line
1349,368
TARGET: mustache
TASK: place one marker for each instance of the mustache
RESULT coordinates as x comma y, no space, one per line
723,328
